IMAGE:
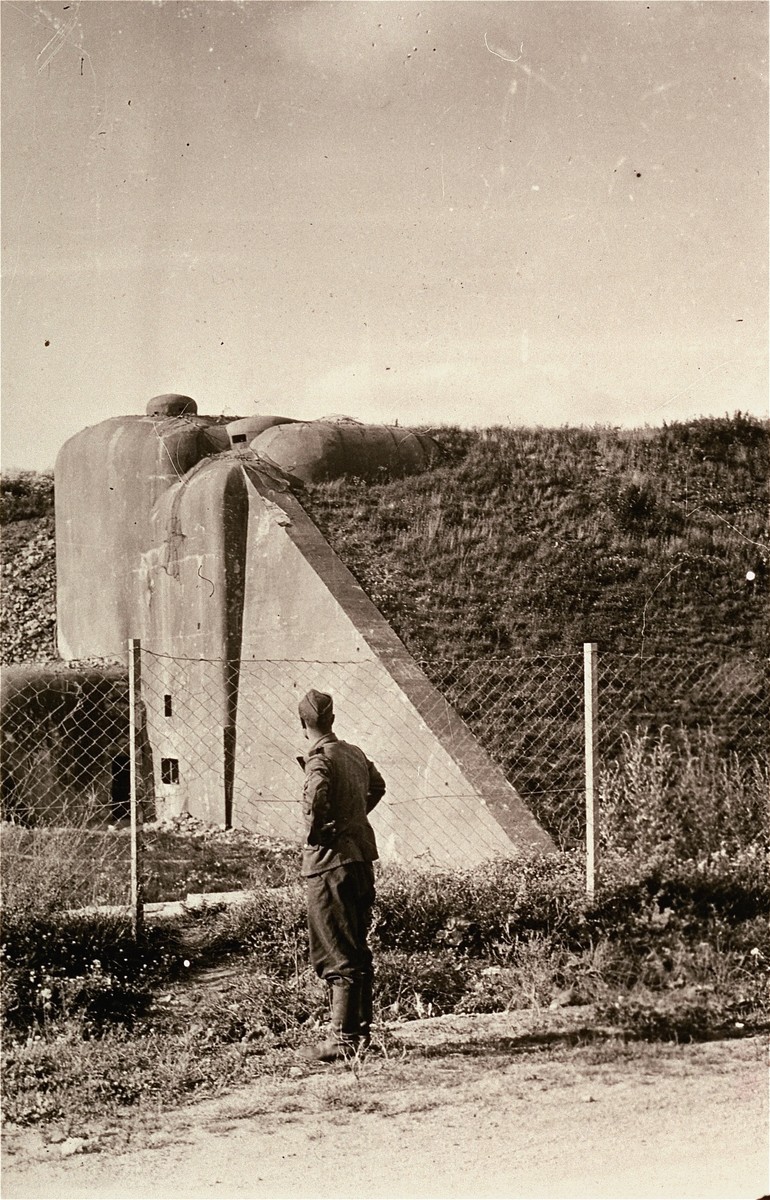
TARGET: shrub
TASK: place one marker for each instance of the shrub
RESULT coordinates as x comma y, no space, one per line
423,983
87,965
532,979
253,1005
25,494
714,895
480,910
693,1017
271,926
677,793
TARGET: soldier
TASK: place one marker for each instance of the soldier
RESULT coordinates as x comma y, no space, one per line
341,787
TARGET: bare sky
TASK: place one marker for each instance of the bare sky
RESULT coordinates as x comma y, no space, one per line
535,213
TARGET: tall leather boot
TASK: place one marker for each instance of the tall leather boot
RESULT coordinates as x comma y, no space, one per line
344,1036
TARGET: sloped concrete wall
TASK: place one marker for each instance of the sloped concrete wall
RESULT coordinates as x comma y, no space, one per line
232,726
190,613
307,623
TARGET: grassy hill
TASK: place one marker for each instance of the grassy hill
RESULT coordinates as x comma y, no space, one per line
531,540
497,566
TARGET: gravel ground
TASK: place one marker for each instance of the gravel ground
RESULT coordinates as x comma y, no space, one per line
28,618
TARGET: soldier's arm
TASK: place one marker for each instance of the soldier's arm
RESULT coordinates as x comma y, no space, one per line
376,787
316,801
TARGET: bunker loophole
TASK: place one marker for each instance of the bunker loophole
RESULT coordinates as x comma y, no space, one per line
169,770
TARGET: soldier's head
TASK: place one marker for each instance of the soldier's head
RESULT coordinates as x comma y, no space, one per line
316,713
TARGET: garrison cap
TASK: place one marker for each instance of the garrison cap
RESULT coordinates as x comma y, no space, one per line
316,706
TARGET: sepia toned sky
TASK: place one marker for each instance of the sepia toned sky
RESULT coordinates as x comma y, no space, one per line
513,212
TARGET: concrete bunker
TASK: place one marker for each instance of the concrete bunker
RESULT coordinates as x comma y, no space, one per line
314,451
64,747
203,551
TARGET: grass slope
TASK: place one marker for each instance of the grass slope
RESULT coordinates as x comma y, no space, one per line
531,540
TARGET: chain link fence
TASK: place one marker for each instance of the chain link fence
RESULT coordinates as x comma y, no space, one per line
227,737
220,739
528,713
66,786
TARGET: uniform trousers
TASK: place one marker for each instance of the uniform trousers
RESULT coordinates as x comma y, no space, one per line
339,914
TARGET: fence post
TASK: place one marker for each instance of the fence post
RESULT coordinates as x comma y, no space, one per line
134,720
591,707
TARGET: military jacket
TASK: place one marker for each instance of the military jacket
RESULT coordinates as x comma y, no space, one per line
341,787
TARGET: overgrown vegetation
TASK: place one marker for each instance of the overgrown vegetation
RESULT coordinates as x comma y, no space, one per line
528,540
92,1019
677,795
184,856
77,866
24,495
676,944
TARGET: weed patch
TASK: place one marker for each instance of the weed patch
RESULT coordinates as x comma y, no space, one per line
85,967
185,855
93,1020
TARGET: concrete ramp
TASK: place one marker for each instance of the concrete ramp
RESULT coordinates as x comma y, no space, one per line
307,623
229,723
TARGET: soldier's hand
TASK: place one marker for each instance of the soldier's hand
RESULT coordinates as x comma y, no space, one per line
327,833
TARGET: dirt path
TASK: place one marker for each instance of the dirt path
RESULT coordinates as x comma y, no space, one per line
463,1109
